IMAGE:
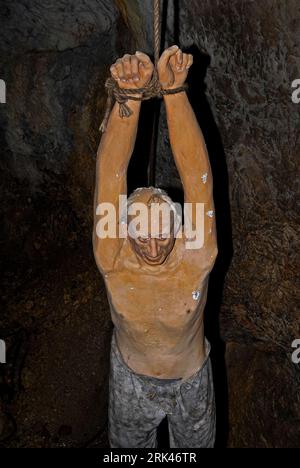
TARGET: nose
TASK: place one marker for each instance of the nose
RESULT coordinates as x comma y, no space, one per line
153,247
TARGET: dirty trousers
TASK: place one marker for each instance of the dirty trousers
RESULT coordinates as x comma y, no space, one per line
138,403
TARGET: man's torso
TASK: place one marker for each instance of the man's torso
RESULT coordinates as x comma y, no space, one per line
158,312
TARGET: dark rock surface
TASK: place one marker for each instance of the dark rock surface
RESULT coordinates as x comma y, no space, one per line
54,314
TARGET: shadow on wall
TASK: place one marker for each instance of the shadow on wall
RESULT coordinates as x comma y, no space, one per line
223,219
198,99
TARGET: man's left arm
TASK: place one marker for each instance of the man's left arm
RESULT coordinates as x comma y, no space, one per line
188,145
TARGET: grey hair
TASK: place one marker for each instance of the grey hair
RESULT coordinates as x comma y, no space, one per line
175,207
154,191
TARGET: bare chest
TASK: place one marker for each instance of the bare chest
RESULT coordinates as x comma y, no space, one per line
170,299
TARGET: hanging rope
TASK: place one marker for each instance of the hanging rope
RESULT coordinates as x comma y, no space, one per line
156,30
152,90
156,106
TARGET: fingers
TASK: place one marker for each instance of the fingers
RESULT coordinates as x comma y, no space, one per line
127,68
120,70
179,59
145,66
190,61
181,62
185,60
144,59
131,68
114,72
167,54
135,68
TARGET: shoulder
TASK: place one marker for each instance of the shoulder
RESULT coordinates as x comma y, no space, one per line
107,254
202,257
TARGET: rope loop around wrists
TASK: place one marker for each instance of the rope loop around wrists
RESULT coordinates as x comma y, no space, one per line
122,95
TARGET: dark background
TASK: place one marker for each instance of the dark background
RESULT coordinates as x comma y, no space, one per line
55,57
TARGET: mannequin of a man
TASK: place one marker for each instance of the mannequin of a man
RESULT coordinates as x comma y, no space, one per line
156,286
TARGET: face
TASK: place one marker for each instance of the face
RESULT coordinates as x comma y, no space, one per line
153,247
153,250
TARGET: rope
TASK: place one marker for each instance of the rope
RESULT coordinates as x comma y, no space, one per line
121,96
152,90
156,30
156,107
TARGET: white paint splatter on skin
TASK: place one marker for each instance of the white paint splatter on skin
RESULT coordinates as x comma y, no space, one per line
204,178
210,213
196,295
117,176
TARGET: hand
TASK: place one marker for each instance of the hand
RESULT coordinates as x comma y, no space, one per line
132,71
173,67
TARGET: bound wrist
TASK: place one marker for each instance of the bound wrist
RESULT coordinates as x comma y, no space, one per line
135,96
175,91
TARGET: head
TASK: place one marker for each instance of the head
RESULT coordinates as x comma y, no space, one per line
153,221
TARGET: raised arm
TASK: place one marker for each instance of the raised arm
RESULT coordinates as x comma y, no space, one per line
187,142
114,153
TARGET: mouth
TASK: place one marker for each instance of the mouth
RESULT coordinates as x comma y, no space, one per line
153,259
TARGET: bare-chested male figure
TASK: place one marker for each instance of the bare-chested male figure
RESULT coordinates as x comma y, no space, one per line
156,286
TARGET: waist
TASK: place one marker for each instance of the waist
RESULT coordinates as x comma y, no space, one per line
164,368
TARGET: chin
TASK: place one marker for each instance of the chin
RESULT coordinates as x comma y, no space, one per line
159,261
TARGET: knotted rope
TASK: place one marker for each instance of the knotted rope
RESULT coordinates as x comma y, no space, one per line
121,96
152,90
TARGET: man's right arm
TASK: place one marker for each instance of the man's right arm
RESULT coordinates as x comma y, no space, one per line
114,153
113,157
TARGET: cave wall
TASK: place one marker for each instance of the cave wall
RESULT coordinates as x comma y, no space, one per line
254,50
55,59
54,314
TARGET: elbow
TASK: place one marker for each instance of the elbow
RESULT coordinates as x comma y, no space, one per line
215,252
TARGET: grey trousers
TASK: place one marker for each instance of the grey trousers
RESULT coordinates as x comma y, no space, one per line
138,403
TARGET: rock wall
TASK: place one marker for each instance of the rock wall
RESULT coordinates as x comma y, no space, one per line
254,58
54,317
55,58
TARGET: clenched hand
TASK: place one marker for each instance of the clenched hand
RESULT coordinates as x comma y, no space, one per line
132,71
173,67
